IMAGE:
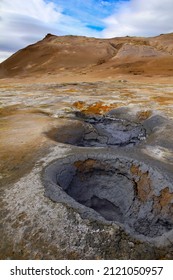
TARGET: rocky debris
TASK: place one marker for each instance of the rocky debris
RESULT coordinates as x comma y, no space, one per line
132,52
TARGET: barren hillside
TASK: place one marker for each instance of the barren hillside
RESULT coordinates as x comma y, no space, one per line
77,55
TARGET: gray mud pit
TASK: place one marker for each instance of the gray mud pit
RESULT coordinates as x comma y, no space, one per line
109,131
118,128
96,131
109,181
116,190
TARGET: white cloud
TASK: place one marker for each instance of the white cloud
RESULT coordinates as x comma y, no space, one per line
140,18
4,55
38,9
25,22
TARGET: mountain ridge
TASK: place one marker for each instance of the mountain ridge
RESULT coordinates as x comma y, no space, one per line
80,55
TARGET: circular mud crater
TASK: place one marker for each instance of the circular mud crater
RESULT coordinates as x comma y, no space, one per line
113,189
99,132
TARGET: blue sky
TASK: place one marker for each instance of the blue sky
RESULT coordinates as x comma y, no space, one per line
23,22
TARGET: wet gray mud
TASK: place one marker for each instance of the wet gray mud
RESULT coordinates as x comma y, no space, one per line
101,131
112,181
109,131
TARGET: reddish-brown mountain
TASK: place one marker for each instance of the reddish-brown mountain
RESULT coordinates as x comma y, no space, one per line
77,55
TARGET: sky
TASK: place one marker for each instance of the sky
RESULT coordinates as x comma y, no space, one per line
23,22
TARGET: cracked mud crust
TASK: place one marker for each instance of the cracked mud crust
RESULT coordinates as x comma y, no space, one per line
86,175
99,132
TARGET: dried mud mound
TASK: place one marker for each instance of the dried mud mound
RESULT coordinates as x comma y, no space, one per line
117,190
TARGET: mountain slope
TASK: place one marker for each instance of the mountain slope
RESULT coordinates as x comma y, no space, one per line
81,55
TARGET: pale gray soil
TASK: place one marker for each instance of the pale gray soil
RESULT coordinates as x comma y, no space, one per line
86,171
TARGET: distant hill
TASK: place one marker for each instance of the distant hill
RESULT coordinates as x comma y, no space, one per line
83,55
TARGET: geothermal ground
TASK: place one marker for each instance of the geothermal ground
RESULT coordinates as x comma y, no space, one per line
86,170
